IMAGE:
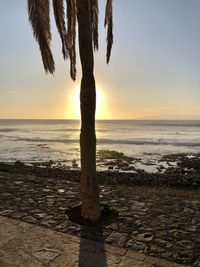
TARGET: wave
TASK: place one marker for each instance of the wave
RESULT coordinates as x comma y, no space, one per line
7,130
148,142
163,123
174,125
110,141
44,140
58,130
68,130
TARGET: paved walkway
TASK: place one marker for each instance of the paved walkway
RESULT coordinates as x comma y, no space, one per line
158,224
27,245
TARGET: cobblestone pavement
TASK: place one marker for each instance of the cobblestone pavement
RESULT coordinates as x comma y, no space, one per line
162,226
23,244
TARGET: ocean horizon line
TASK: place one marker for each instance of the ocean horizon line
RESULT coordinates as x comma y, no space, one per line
43,119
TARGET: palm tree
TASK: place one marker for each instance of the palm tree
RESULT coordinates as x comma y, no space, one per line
85,12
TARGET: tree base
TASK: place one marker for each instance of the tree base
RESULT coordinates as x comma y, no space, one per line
109,214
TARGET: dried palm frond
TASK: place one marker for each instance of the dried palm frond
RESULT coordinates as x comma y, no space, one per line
94,22
71,35
38,11
59,15
109,23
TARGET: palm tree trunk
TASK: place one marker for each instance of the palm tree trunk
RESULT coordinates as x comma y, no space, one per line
89,185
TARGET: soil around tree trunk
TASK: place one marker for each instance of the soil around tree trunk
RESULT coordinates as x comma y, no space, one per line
109,214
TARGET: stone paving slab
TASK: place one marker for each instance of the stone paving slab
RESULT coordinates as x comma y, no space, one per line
27,245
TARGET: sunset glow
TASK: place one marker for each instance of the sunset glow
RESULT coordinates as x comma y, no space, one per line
73,104
153,72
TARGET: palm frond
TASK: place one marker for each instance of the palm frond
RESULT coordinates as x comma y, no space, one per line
38,12
94,22
59,15
71,35
109,23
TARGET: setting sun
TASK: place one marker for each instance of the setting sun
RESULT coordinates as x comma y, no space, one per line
73,104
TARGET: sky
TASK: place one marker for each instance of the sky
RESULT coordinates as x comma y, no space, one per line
154,71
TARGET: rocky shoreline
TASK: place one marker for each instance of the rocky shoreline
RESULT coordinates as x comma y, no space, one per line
185,175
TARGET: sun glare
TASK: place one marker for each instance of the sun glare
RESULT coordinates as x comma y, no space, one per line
73,106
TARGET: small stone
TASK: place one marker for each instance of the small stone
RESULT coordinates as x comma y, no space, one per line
145,237
61,190
6,212
166,255
192,228
110,167
5,195
186,244
48,223
40,215
135,245
197,263
30,219
18,215
18,199
18,182
74,164
46,190
156,249
163,243
61,208
113,226
178,234
29,200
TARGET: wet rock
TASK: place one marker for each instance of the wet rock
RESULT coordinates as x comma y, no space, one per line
19,164
75,165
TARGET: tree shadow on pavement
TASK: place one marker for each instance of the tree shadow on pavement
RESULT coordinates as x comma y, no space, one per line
92,251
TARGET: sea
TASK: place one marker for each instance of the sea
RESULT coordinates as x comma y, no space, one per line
58,140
